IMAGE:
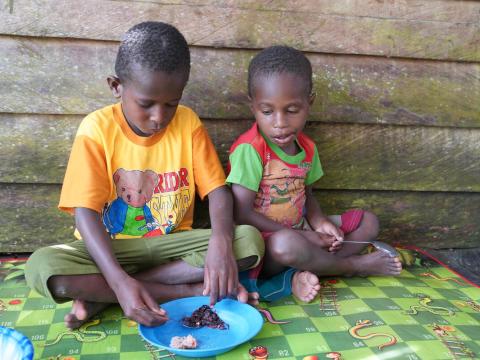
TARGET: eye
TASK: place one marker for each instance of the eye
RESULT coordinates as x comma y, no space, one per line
139,191
266,112
145,105
123,189
172,105
292,110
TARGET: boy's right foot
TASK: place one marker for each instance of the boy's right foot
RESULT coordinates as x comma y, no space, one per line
376,263
81,312
305,285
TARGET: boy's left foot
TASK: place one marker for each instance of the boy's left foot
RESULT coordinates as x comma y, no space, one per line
305,285
246,297
81,312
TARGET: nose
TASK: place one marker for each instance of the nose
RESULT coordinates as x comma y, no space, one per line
280,120
157,115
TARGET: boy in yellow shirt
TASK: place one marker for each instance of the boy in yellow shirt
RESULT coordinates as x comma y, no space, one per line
131,181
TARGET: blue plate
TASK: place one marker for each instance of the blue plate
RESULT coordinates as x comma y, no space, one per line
244,323
14,345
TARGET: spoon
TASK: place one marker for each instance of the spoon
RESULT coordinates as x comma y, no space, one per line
390,250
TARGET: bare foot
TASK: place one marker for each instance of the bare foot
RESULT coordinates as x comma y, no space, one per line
246,297
376,263
305,285
81,312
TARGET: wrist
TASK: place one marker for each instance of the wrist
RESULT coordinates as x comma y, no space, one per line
117,279
320,222
222,235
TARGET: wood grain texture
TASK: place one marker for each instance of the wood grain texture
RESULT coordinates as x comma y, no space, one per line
35,149
447,30
68,77
427,220
396,117
29,218
375,157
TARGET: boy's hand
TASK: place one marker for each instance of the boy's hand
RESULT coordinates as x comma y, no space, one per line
138,305
336,246
323,240
336,235
221,271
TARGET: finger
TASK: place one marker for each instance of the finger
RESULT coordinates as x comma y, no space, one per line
155,319
213,289
341,235
232,286
222,286
138,314
235,278
147,317
153,306
206,282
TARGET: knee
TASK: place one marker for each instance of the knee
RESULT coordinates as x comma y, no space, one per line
370,224
281,247
34,267
59,287
39,270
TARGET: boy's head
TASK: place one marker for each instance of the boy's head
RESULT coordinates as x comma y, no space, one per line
280,91
277,60
152,68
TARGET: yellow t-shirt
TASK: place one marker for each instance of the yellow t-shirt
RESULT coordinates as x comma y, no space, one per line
144,186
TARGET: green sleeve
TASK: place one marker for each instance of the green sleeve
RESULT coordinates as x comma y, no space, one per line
316,171
246,167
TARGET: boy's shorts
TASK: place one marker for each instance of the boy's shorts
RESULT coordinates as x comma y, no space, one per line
280,285
135,255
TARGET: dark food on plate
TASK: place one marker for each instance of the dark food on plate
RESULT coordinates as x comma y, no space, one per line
183,342
204,316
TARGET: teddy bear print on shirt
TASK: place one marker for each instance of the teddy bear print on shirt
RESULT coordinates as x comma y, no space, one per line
129,213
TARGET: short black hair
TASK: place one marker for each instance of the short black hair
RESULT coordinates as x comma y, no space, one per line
280,59
155,46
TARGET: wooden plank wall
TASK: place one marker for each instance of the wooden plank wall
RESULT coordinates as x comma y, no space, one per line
396,119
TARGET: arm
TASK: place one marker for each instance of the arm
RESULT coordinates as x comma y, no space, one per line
321,223
244,212
132,296
221,272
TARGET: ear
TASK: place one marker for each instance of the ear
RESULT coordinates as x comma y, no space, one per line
153,177
115,86
312,97
250,103
118,174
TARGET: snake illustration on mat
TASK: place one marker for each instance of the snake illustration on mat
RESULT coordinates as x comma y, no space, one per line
424,305
82,334
433,276
360,324
270,318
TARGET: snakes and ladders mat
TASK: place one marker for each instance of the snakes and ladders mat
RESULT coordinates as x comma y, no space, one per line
428,312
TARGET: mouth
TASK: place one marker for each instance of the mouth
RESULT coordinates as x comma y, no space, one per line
155,130
283,139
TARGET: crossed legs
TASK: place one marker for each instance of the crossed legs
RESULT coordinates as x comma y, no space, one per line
291,248
91,293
